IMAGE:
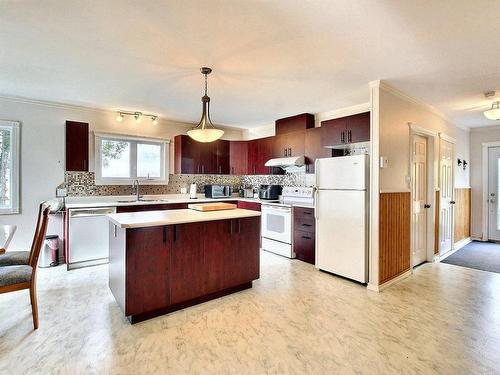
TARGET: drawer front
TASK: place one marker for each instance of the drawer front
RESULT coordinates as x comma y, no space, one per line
254,206
303,219
304,246
303,212
151,207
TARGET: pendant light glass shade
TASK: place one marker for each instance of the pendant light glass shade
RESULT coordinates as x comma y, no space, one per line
205,131
494,112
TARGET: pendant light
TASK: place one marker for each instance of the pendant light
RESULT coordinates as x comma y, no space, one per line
205,131
494,112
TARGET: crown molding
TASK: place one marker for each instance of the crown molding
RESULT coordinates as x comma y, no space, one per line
341,112
485,128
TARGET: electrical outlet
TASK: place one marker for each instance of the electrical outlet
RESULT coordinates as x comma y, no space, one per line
61,192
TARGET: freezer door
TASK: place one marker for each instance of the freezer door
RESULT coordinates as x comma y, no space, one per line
341,233
344,172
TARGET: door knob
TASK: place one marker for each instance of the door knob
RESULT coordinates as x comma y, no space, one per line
427,206
452,202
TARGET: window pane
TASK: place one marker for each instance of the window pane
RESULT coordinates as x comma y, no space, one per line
148,160
115,159
5,167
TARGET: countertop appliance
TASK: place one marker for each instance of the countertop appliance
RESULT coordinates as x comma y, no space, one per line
270,192
88,236
277,223
218,191
341,216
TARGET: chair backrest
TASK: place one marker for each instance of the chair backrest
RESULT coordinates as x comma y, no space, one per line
40,232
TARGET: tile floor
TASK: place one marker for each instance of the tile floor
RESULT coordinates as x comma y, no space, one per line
295,320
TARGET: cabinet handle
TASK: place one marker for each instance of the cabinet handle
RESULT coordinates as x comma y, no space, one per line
254,170
289,151
307,238
230,228
284,152
239,226
220,169
175,233
342,137
84,164
306,225
164,234
203,168
349,136
232,170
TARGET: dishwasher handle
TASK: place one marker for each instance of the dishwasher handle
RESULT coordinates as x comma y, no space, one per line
91,212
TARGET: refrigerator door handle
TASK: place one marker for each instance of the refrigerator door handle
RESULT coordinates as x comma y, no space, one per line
316,192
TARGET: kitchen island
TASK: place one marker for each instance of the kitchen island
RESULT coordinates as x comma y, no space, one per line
162,261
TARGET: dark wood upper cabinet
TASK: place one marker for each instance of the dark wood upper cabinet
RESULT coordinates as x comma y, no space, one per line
294,123
187,154
77,146
289,144
259,151
238,157
345,130
223,157
313,148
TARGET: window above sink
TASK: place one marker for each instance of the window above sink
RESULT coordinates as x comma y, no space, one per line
121,159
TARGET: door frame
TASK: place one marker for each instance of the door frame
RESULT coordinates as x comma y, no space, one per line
484,205
432,145
453,141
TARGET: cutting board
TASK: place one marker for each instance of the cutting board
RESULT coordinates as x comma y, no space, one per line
212,206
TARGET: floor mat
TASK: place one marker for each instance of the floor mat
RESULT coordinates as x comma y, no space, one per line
479,255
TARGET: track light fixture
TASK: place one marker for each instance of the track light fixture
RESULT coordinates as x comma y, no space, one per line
138,116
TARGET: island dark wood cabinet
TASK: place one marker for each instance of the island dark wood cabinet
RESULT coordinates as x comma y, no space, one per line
77,146
156,270
346,130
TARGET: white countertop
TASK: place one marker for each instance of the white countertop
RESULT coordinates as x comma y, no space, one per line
170,217
130,200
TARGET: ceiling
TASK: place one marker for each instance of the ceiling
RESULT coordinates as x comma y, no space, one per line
270,58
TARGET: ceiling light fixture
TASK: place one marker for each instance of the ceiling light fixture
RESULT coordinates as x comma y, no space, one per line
205,131
494,112
137,116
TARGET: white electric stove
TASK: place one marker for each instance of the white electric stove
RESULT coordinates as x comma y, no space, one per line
277,219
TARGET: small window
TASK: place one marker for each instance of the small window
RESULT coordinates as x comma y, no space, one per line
9,167
122,159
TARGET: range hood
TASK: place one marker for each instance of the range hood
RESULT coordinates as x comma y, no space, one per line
292,161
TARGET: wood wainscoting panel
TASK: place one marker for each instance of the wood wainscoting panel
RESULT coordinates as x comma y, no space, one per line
462,214
394,241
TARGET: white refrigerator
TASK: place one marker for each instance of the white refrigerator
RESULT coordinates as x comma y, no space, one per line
341,216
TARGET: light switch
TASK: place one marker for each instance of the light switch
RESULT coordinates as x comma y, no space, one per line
384,163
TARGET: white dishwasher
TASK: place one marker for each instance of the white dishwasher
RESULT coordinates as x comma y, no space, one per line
88,230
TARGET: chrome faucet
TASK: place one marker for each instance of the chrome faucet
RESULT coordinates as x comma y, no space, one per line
136,187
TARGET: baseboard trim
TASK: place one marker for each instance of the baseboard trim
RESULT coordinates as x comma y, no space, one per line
379,288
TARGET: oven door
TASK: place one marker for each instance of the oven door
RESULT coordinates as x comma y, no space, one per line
277,223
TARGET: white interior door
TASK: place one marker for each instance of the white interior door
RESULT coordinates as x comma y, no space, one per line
493,191
419,196
446,202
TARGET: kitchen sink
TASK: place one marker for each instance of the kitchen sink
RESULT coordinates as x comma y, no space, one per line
143,200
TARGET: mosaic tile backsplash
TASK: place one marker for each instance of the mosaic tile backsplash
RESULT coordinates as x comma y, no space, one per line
83,183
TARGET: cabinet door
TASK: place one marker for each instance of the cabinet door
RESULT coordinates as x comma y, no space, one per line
215,244
77,146
358,127
280,146
222,156
148,268
295,143
241,261
186,155
313,148
187,273
238,157
264,153
333,132
208,157
252,157
294,123
304,246
254,206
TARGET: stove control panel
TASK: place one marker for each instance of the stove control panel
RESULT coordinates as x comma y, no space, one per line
299,192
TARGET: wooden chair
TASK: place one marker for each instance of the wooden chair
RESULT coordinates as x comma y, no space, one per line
19,277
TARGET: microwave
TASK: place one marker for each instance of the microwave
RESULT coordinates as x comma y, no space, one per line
218,191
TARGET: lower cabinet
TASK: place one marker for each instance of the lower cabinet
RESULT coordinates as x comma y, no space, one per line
254,206
304,234
171,265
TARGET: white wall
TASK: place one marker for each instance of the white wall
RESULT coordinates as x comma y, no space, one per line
396,111
479,136
43,149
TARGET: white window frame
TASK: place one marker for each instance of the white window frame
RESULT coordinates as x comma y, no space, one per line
164,168
15,127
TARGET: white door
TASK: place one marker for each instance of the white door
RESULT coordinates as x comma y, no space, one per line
341,233
446,183
493,207
419,196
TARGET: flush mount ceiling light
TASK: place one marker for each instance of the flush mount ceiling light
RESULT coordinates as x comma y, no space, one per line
494,112
205,131
138,116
